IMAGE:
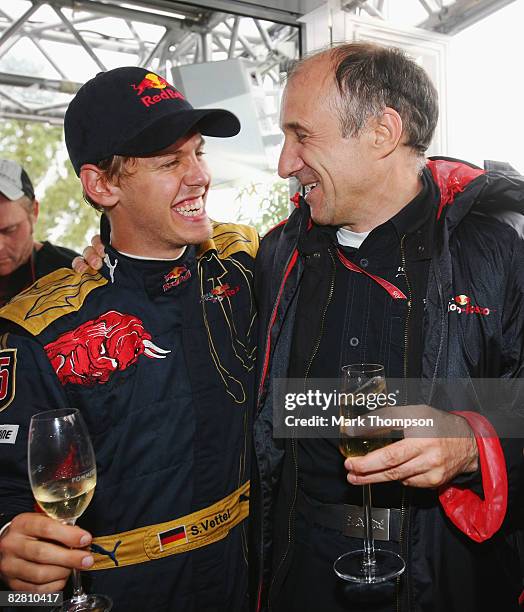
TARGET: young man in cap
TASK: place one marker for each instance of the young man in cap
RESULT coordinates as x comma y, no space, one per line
22,259
156,351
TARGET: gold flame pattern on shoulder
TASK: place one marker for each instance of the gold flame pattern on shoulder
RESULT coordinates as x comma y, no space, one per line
51,297
231,238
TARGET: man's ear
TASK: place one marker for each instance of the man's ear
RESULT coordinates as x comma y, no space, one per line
386,132
35,208
97,187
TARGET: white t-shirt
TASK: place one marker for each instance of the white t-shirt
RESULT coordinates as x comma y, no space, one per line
348,238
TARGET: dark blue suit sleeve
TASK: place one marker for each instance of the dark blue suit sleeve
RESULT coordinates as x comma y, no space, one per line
28,384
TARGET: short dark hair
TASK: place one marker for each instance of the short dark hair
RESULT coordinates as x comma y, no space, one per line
114,168
371,77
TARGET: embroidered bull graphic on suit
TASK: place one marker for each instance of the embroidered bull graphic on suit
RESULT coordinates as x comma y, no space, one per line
94,351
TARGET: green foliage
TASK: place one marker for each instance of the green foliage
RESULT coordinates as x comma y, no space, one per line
64,217
271,208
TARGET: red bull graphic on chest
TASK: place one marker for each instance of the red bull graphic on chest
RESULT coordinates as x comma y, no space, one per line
94,351
153,81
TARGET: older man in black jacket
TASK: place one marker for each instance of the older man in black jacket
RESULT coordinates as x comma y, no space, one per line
392,259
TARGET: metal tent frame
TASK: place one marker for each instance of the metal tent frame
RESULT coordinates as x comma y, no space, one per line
265,33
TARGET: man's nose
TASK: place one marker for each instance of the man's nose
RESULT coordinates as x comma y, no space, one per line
197,174
290,161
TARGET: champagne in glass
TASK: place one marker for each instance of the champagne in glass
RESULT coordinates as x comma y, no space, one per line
370,565
66,500
350,408
62,473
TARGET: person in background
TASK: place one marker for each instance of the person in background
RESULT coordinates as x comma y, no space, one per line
22,259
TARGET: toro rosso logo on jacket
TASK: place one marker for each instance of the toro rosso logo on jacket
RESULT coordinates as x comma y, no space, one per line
153,81
178,275
219,293
462,305
93,352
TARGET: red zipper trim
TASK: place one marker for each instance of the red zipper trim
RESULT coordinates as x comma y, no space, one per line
393,291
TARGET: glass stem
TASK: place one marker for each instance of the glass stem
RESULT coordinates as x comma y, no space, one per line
78,592
369,544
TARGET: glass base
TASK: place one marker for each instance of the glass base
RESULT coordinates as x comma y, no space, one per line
92,603
351,567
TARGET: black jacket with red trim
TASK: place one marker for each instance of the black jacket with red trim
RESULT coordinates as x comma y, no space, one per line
159,357
478,251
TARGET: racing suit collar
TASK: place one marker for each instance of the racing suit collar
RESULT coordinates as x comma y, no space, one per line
156,277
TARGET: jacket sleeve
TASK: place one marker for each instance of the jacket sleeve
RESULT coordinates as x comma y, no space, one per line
512,437
501,460
28,384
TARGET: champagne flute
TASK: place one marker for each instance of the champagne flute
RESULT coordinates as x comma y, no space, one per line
62,473
370,565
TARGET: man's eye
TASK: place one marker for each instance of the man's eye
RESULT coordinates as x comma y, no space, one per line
200,153
301,137
170,164
10,230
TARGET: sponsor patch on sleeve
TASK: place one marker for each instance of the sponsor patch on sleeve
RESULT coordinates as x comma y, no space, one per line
7,377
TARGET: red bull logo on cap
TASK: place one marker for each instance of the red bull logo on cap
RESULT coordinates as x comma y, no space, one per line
154,81
179,274
150,81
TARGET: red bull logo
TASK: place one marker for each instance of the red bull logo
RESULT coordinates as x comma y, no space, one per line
150,81
462,305
153,81
94,351
219,293
178,275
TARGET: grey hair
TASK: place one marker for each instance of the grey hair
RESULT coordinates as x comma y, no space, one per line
371,77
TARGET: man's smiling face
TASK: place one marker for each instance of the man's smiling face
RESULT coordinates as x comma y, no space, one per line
162,201
335,169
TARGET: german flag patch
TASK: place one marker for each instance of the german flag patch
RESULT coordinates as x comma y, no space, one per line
7,377
172,536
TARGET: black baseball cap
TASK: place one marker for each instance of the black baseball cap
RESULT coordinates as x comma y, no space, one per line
134,112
